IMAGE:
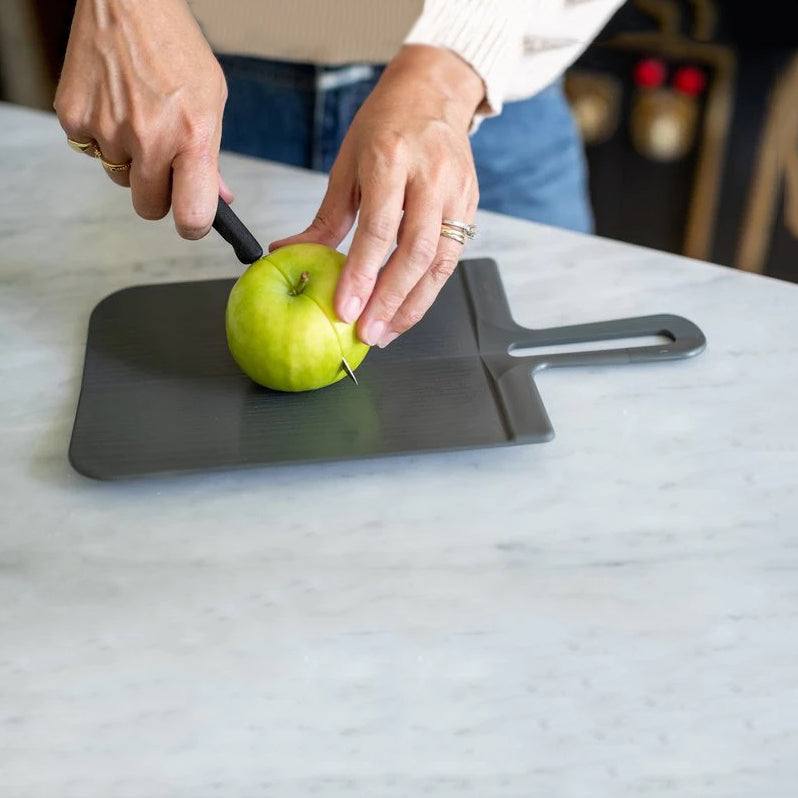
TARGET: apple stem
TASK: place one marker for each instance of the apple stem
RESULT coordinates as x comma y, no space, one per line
304,278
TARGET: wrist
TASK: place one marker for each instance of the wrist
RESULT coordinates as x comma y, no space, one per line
459,86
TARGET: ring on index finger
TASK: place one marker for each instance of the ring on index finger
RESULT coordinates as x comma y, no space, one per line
90,148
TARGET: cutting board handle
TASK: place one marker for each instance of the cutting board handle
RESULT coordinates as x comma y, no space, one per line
685,339
498,333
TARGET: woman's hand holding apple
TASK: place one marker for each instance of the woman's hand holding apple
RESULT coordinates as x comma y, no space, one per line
406,151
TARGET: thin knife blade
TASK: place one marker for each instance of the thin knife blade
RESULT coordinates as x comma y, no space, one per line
349,370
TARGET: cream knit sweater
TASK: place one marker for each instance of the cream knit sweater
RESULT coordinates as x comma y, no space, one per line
518,47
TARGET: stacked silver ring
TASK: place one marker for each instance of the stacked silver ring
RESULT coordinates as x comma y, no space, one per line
458,231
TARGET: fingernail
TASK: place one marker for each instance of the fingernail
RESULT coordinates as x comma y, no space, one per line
373,332
351,309
387,339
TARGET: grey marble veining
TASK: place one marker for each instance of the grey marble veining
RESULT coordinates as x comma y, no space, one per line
611,614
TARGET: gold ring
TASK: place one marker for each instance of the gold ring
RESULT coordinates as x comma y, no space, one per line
90,148
468,230
114,167
455,235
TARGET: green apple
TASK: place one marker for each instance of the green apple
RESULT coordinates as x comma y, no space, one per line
282,329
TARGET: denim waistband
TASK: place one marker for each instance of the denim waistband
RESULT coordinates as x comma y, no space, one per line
298,75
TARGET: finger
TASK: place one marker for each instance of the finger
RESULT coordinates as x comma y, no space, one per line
110,150
114,152
75,129
382,196
335,216
418,245
195,190
72,122
150,181
423,294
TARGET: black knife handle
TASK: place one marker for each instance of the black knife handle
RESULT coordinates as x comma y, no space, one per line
235,233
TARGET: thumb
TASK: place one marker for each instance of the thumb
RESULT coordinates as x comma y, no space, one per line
334,219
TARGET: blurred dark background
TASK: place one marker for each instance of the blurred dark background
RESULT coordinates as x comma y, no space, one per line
689,111
688,108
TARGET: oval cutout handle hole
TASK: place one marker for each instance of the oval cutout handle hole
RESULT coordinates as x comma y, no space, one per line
588,346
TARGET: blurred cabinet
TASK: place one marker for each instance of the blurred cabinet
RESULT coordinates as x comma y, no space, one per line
33,36
689,111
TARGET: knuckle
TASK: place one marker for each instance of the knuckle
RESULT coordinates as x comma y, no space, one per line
389,148
322,224
360,281
387,302
408,317
70,114
379,227
421,251
197,130
389,299
442,268
58,101
198,159
203,159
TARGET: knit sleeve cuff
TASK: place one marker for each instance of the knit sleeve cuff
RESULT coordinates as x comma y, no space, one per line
482,33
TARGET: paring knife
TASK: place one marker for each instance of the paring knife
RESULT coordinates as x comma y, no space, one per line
235,233
246,246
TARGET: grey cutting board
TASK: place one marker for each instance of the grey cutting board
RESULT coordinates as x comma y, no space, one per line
161,393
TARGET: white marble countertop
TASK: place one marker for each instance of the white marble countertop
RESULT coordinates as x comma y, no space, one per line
610,614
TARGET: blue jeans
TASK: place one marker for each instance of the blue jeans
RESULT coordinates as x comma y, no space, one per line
530,162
